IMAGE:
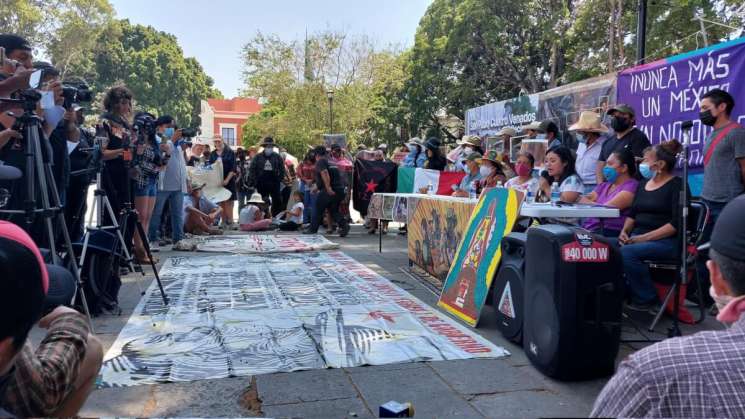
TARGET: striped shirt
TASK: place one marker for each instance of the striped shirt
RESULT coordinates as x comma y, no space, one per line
700,376
43,379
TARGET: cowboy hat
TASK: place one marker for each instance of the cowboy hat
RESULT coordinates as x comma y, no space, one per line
195,186
492,156
506,131
589,121
256,199
470,140
216,194
416,141
533,126
268,141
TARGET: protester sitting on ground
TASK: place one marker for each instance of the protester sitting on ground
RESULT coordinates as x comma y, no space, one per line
617,191
56,379
623,119
492,172
524,181
560,169
200,214
254,217
469,184
650,230
589,133
435,159
700,375
292,219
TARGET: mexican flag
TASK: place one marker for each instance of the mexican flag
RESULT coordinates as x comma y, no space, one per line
411,180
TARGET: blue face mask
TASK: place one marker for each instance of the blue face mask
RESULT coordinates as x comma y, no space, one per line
168,133
540,137
646,171
581,138
610,174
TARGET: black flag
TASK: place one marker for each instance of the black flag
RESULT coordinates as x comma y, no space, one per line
372,177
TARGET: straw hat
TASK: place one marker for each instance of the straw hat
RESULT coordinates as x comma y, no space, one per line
507,131
470,140
256,198
492,156
589,121
534,126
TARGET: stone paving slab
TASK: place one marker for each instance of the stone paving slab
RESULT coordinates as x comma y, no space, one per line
526,404
304,386
322,409
471,377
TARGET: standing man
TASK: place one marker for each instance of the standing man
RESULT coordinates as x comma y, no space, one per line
623,121
268,172
589,133
171,180
331,192
724,161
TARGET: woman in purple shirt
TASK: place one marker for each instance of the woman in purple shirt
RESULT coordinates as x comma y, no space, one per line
617,191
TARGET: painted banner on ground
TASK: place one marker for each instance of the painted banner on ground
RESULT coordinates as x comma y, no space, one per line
667,92
435,227
413,180
479,253
257,243
239,315
371,177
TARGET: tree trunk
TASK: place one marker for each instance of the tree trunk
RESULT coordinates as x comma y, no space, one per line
611,35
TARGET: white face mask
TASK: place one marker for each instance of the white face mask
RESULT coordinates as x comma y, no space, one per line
485,171
468,150
720,300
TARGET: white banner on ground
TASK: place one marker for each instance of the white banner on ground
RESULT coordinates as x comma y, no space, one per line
247,314
258,243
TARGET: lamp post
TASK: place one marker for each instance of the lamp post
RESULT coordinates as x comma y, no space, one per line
641,32
330,96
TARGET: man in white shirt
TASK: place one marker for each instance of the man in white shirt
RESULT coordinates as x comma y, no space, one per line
588,131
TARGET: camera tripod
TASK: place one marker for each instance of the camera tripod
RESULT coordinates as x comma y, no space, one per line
102,205
39,175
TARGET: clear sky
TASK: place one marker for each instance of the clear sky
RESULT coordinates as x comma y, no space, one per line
214,31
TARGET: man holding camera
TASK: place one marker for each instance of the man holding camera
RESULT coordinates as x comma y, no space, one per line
171,181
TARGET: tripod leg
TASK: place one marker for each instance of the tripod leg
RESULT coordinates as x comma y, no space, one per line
146,243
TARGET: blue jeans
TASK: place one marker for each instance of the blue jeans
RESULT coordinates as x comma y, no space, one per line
309,202
638,279
176,199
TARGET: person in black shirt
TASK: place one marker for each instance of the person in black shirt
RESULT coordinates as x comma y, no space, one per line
267,173
623,119
435,159
76,141
115,125
651,228
330,193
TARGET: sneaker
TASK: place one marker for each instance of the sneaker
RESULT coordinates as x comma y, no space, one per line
343,231
308,231
154,246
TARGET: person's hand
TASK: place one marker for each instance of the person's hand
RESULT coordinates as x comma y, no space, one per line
624,238
176,135
69,116
56,88
8,135
47,320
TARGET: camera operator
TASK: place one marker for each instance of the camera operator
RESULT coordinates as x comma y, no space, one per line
115,126
75,145
172,180
145,169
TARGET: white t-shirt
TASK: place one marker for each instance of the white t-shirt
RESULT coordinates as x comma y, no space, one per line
572,183
530,185
299,218
248,214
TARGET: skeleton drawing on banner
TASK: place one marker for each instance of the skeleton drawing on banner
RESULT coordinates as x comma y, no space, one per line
452,235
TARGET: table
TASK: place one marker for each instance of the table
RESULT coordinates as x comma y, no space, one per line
548,210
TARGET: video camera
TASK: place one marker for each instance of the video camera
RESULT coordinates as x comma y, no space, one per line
75,93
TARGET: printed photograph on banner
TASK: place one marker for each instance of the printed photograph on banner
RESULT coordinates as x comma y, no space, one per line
240,315
400,209
479,253
434,231
257,243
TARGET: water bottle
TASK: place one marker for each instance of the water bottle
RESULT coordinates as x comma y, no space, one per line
472,191
555,194
499,184
430,189
530,198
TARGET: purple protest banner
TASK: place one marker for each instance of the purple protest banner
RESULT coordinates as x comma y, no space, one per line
667,92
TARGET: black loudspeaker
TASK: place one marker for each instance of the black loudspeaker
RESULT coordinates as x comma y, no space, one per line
573,301
507,291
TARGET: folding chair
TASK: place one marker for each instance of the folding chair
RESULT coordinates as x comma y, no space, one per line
699,214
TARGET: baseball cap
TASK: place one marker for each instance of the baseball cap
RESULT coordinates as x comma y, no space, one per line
475,156
728,235
21,251
623,108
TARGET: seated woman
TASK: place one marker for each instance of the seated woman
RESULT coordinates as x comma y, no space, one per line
292,219
617,191
253,217
200,214
524,181
491,171
650,230
560,169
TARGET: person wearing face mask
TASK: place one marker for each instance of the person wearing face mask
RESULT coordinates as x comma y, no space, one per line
268,171
416,156
491,170
623,119
469,144
650,231
171,181
524,181
699,375
549,131
473,175
617,191
589,133
724,161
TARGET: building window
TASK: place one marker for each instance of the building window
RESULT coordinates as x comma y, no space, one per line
228,136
